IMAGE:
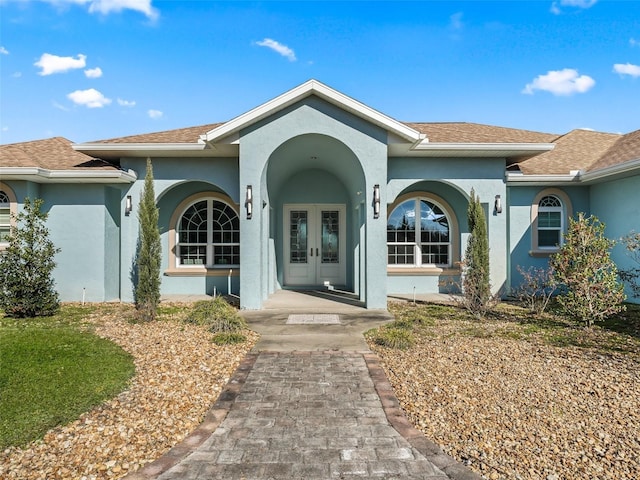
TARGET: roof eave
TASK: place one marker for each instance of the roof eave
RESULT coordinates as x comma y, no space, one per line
482,149
521,179
43,175
118,150
606,173
312,87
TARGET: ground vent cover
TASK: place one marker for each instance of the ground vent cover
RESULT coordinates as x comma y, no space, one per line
313,319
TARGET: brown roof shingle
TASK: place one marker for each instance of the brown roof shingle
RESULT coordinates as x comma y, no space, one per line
624,150
463,132
51,154
577,150
178,135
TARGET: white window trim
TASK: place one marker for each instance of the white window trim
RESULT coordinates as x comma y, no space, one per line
567,212
13,209
174,267
454,244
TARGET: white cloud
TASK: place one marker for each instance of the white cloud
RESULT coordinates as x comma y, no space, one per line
126,103
627,69
16,74
634,43
90,98
556,10
51,64
106,7
561,82
93,72
4,51
155,114
279,48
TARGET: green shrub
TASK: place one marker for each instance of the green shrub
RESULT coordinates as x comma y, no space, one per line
391,337
26,266
587,276
537,288
228,338
216,314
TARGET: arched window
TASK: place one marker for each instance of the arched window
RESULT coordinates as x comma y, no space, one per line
8,207
5,217
208,235
418,234
550,222
549,212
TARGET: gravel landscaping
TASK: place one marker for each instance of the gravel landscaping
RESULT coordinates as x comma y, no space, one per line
179,374
495,395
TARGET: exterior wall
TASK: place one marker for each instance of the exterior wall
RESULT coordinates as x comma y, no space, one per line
452,179
617,205
518,207
176,179
83,222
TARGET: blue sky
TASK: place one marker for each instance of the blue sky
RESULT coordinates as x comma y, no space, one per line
95,69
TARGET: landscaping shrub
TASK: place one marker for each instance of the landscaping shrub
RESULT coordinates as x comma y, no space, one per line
476,287
391,337
632,275
537,288
216,314
148,258
587,276
228,338
26,266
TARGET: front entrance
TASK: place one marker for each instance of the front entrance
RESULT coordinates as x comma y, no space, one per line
314,245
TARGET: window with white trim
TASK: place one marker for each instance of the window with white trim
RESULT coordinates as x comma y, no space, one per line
5,217
208,234
418,234
550,222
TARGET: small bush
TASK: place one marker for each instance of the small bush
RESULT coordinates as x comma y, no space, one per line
537,288
216,314
228,338
398,338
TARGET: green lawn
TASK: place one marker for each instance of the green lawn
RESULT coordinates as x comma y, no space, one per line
52,370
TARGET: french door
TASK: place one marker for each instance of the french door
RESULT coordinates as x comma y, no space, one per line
314,245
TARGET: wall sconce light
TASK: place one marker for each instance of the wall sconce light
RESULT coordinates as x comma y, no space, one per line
497,206
376,201
248,202
128,205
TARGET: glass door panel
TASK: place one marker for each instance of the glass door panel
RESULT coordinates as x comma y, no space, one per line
330,246
298,236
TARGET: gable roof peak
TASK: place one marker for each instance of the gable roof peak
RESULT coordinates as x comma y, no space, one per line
302,91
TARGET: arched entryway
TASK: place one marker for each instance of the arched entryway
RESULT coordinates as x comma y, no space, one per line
314,185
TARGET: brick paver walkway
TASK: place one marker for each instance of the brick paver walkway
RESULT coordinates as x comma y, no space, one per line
312,415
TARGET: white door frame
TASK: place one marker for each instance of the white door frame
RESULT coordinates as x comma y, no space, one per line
311,269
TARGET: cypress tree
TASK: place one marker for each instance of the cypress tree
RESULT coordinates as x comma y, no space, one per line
476,287
147,289
26,266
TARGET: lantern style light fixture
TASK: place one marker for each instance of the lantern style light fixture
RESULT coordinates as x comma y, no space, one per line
248,202
128,205
376,201
497,205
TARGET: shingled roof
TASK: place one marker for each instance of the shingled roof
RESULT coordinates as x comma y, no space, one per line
51,154
178,135
577,150
463,132
624,150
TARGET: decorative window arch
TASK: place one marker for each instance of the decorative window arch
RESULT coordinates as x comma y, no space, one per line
430,242
8,209
550,210
205,234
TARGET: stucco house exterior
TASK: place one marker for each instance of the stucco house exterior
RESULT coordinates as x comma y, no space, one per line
314,189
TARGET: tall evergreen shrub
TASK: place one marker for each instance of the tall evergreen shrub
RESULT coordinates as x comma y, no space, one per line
26,266
476,287
147,289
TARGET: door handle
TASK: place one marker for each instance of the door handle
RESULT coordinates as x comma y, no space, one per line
311,252
317,254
